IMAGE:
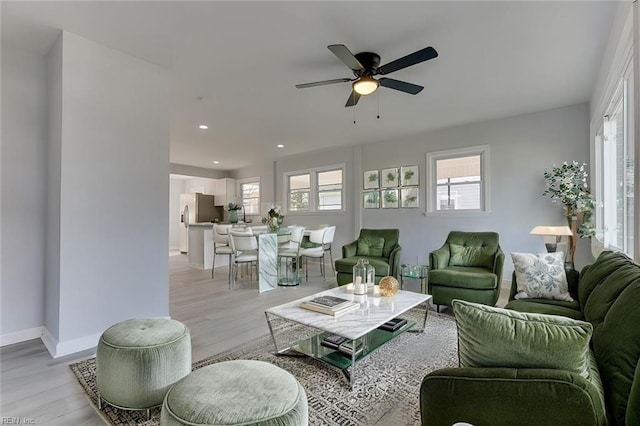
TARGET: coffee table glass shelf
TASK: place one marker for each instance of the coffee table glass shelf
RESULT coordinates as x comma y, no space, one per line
359,326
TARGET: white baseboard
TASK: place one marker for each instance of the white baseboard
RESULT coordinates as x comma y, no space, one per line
55,348
58,349
21,336
49,341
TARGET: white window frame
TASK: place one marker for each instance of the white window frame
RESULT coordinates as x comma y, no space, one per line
240,182
313,189
622,94
432,180
619,66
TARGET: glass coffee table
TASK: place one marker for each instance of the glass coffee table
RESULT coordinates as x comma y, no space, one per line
360,326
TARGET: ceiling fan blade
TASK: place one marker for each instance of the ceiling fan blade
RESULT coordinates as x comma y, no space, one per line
406,61
402,86
322,83
345,55
354,97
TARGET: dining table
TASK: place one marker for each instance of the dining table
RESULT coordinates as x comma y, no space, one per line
268,242
268,256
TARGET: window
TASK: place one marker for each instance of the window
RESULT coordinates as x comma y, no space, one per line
319,189
615,158
250,196
299,189
458,180
330,190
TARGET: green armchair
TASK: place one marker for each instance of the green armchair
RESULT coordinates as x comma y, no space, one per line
379,246
468,266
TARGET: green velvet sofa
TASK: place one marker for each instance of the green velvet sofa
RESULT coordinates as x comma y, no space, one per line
379,246
608,297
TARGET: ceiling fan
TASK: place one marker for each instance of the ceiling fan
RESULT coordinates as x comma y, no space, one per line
365,66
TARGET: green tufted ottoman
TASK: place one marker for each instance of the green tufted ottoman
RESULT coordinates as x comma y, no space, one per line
138,360
240,392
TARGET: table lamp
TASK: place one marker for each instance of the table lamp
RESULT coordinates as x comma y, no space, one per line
554,231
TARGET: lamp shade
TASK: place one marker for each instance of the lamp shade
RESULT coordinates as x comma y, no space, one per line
365,85
551,230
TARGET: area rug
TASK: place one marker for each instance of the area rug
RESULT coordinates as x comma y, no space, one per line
387,385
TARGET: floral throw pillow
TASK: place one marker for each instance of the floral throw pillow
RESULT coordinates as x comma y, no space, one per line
541,276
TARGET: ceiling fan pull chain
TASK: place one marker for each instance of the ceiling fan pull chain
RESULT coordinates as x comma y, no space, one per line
354,108
378,98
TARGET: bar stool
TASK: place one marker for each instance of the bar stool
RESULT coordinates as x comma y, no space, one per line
221,245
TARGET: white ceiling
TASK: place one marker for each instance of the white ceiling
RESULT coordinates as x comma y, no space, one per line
496,59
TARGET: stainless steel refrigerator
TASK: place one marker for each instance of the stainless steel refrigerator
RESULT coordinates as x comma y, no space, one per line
197,208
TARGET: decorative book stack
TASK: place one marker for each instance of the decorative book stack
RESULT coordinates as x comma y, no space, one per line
330,305
393,325
340,343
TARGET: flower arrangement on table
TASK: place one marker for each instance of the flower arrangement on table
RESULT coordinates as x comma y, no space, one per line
233,207
567,185
274,219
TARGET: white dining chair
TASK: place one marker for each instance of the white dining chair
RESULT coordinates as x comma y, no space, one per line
245,252
289,257
327,241
316,237
221,245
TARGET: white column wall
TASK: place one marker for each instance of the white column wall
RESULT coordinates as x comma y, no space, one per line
113,235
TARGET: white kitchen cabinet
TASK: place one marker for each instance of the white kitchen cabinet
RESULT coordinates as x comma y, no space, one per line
202,185
225,191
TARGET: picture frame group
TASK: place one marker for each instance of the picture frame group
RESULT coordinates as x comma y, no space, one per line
389,188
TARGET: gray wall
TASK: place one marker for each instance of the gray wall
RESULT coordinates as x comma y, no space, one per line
24,168
521,148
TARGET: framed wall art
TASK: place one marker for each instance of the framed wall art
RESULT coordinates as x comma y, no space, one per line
409,176
390,178
390,198
409,197
371,199
371,179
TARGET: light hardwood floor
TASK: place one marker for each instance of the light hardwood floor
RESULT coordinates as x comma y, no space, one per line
35,386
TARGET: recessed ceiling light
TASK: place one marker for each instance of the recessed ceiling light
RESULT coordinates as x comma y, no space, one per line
203,127
280,145
216,162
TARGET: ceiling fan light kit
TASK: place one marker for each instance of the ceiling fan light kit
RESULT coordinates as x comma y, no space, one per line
364,66
365,85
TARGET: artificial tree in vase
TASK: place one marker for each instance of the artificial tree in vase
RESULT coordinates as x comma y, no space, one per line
567,184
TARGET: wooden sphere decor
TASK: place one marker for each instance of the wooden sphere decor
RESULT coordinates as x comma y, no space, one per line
388,286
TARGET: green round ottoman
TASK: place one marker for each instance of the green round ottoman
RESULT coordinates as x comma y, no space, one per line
240,392
138,360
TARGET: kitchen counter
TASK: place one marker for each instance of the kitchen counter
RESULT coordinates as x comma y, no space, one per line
200,245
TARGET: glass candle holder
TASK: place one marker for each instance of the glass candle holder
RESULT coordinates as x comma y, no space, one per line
363,276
